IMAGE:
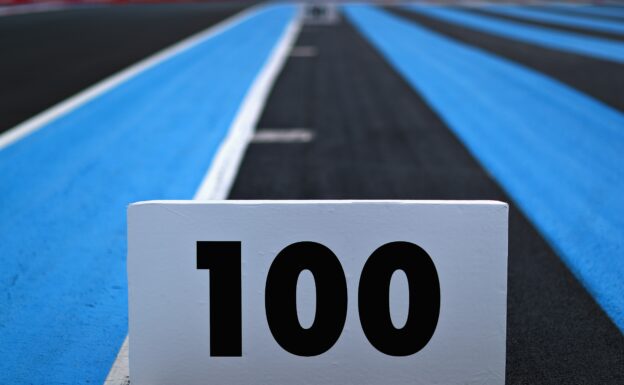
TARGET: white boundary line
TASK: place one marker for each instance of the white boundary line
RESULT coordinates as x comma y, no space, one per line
219,178
119,372
38,121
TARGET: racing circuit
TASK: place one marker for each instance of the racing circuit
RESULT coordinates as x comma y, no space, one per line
522,104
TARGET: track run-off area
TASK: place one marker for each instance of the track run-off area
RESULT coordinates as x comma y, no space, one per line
128,103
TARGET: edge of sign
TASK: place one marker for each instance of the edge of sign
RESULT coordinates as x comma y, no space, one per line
324,202
218,180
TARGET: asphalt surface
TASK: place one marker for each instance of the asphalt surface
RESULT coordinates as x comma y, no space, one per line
601,79
377,139
50,56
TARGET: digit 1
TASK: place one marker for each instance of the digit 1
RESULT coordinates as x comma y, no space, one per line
281,298
223,259
374,298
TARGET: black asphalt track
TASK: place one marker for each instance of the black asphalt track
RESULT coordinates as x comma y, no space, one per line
602,79
47,57
377,139
580,30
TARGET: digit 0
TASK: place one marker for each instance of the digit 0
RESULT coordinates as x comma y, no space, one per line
374,298
281,298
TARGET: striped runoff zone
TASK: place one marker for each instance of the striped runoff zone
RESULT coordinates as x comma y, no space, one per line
534,13
566,41
611,12
65,184
556,151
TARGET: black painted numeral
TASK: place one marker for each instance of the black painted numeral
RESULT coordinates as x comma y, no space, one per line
281,299
374,298
223,259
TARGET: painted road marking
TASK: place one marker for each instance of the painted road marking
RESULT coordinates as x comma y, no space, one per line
294,135
553,18
218,181
304,51
120,373
556,151
566,41
152,136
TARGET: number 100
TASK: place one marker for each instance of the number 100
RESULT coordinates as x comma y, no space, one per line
223,259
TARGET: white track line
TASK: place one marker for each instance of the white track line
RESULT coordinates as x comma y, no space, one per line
40,120
119,373
219,178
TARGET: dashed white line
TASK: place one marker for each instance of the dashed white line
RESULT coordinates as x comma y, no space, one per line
304,51
295,135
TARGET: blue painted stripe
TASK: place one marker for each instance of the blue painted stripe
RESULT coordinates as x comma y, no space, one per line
546,37
557,152
532,13
591,10
65,189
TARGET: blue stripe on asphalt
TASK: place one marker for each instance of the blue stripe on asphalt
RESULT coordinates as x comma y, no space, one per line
557,152
65,189
616,12
546,37
532,13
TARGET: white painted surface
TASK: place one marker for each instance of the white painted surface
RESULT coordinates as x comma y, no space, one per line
304,51
306,299
119,373
169,297
399,302
293,135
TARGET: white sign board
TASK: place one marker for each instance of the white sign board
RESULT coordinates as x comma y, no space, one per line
317,292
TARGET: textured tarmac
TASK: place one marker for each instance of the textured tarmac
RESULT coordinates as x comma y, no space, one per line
50,56
375,138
